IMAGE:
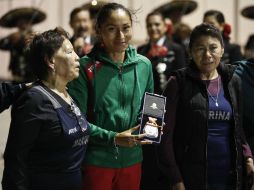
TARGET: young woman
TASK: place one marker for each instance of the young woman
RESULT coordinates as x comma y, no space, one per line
112,82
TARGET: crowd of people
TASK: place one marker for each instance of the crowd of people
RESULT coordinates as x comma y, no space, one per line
75,113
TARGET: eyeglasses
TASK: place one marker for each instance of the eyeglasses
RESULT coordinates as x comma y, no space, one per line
213,50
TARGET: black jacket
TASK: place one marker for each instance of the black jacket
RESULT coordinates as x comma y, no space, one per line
8,93
80,51
175,59
232,53
183,151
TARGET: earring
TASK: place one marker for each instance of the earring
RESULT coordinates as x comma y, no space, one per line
53,70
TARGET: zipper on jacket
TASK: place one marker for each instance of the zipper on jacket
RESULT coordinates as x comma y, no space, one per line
121,92
120,74
120,70
235,140
123,96
116,149
122,101
207,109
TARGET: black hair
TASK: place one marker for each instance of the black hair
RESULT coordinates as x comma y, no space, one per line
76,11
155,13
106,11
42,47
250,42
216,14
205,29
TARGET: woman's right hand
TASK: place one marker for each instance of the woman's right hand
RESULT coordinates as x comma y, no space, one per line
178,186
126,138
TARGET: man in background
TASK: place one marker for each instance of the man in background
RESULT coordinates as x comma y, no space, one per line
23,19
81,23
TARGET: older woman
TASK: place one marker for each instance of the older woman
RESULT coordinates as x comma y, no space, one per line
48,133
204,146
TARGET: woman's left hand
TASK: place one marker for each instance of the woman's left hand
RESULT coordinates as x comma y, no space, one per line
249,165
126,138
250,171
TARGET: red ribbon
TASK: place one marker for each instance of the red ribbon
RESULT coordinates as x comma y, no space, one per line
157,51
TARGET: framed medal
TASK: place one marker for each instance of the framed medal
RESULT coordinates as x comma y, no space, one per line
152,117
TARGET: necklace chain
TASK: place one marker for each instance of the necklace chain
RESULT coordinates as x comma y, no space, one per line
217,95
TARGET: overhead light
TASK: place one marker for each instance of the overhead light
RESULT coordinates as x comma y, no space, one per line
94,2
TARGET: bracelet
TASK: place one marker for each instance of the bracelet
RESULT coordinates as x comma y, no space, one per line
247,159
116,149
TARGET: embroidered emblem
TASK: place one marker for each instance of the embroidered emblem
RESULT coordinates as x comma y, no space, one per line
89,69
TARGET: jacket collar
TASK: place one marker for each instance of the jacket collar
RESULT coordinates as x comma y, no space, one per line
99,53
226,71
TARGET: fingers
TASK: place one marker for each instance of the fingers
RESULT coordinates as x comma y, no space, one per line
138,137
128,140
144,142
139,140
135,140
131,141
133,129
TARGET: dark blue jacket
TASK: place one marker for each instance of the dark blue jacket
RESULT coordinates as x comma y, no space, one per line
245,70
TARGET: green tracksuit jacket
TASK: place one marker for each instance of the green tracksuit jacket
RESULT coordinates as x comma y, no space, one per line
111,96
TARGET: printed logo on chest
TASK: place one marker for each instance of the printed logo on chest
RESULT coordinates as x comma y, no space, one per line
219,115
73,130
81,141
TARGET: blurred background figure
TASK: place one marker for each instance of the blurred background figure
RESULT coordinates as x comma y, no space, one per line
232,51
94,7
176,9
245,70
181,36
249,48
81,23
9,92
165,55
248,12
23,19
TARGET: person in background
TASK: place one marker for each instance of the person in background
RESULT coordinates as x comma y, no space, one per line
9,92
203,146
181,36
249,48
23,19
165,55
232,52
112,83
81,23
48,134
245,69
